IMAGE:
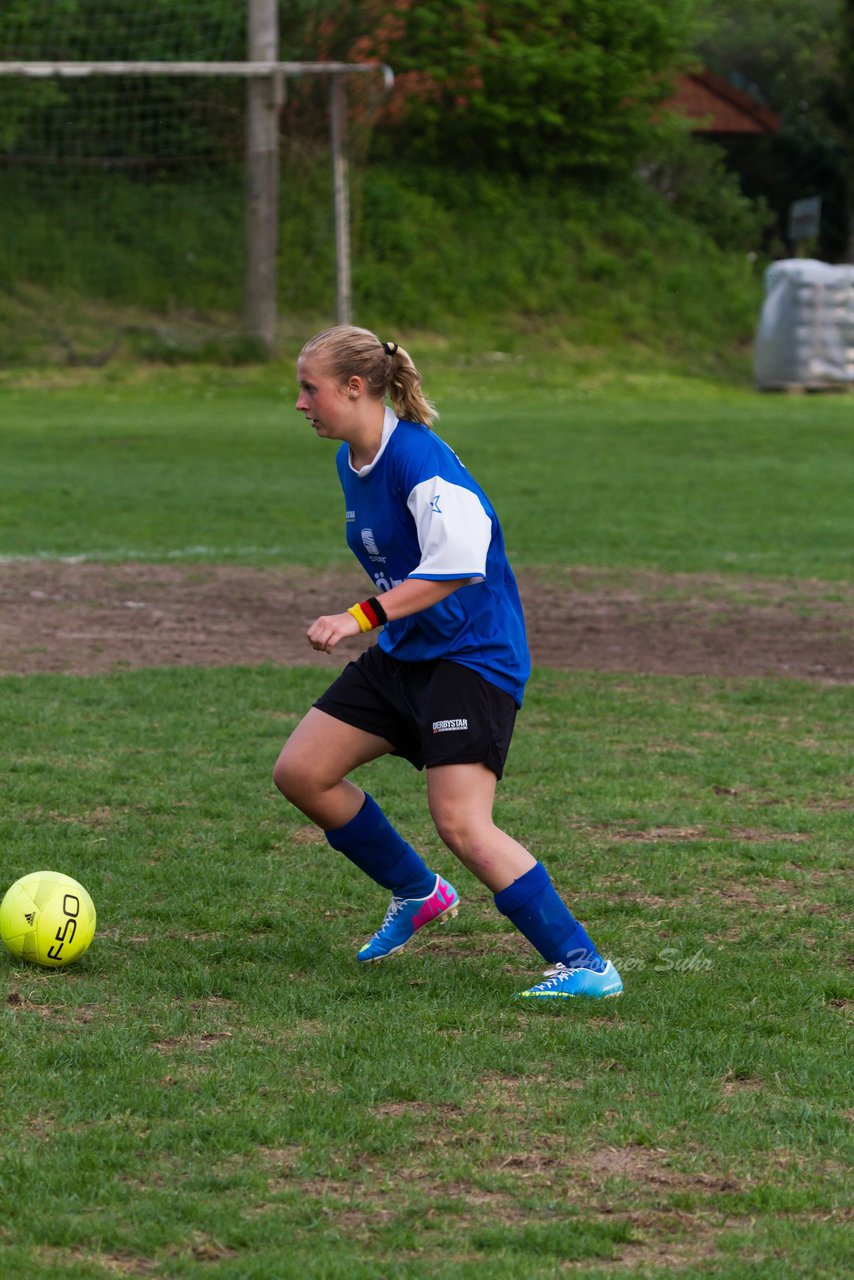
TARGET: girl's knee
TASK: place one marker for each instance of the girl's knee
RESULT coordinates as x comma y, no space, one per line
281,776
303,777
293,775
463,836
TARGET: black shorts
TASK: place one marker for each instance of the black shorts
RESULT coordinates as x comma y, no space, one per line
433,712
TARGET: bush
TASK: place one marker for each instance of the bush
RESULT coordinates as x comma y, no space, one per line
600,265
691,174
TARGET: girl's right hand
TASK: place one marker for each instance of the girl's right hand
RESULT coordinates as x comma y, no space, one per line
326,632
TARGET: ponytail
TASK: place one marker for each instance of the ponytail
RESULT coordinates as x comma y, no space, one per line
387,369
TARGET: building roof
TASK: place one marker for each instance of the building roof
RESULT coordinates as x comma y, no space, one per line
716,106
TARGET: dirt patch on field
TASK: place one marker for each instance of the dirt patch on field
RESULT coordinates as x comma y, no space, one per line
85,619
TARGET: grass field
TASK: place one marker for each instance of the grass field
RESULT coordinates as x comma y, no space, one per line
650,471
215,1090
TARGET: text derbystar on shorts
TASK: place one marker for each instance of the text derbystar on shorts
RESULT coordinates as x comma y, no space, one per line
446,726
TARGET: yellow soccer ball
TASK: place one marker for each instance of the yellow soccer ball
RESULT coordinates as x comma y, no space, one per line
47,918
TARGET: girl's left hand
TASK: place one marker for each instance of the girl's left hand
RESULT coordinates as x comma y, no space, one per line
325,633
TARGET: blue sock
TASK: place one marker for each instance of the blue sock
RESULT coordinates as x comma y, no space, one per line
533,905
372,844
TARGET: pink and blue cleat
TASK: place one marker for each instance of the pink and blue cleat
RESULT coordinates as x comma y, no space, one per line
405,916
563,983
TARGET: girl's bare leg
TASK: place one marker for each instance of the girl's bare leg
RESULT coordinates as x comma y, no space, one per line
312,768
461,797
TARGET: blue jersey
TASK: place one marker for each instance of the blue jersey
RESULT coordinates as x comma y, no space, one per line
416,512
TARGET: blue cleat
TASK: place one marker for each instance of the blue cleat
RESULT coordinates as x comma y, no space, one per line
563,983
405,916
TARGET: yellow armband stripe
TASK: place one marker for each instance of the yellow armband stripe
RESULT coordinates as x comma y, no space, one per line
361,617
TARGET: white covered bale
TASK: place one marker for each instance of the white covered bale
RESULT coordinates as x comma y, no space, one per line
806,328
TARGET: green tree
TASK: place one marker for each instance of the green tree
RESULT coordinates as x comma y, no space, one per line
539,85
789,53
846,80
783,51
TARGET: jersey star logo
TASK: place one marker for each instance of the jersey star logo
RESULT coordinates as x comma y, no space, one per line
434,504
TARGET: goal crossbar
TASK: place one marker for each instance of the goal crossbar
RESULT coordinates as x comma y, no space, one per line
247,70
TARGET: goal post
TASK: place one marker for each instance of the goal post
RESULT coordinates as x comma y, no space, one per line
261,211
266,76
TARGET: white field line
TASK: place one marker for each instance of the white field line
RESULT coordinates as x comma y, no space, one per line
119,554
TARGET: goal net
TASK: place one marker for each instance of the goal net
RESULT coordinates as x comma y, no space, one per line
122,209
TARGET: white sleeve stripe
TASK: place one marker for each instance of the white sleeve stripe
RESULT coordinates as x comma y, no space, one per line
454,531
